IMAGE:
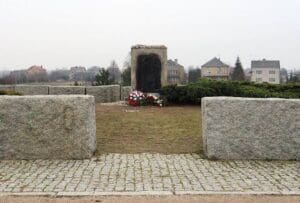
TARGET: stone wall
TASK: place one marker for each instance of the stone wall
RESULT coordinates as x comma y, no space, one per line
59,90
47,127
125,92
107,93
32,89
7,87
104,94
251,128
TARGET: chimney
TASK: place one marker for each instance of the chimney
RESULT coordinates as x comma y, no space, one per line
176,61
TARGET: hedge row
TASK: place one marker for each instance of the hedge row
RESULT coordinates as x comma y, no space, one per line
192,93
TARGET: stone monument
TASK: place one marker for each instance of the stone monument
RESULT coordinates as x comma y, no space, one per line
148,67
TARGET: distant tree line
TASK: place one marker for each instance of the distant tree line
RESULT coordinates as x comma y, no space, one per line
21,76
113,75
94,75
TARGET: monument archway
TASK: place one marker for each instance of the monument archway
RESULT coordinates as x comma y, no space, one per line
148,67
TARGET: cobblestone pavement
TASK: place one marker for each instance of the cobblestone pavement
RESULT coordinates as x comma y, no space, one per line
149,174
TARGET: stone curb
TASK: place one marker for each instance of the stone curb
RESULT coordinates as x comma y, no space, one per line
237,193
140,193
45,194
148,193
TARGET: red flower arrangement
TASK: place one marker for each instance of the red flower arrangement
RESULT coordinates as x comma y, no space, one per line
138,98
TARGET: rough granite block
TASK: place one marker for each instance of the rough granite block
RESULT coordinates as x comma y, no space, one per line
60,90
7,87
251,128
104,94
125,92
47,127
32,89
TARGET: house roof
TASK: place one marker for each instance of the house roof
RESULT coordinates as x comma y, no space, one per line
215,62
265,64
170,62
173,63
36,69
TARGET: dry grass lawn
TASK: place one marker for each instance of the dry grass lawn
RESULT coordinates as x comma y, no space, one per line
123,129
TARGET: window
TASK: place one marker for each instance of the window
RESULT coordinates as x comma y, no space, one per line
272,79
272,72
258,79
258,72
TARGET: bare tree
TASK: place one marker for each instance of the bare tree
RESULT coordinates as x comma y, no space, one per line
114,72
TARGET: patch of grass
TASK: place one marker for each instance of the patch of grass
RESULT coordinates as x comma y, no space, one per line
175,129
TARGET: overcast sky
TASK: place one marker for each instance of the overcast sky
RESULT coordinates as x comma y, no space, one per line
64,33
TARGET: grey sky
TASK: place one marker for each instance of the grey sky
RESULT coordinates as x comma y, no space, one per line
64,33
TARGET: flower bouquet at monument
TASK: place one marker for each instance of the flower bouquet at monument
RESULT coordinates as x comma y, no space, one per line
154,99
137,98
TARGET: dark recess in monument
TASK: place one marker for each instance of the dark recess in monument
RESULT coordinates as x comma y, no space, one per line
148,74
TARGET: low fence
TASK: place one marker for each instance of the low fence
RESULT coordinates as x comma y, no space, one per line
251,128
47,127
102,94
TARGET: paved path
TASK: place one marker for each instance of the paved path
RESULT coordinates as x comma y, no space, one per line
157,199
149,174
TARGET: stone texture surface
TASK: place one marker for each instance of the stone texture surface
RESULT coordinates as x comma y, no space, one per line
159,50
32,89
47,127
116,174
251,128
7,87
60,90
125,92
104,94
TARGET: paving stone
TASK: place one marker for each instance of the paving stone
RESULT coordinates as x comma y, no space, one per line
122,174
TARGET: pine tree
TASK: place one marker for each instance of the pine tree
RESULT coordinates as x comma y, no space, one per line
238,72
114,72
102,78
126,77
194,74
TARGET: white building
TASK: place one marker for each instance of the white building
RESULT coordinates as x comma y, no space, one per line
265,71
